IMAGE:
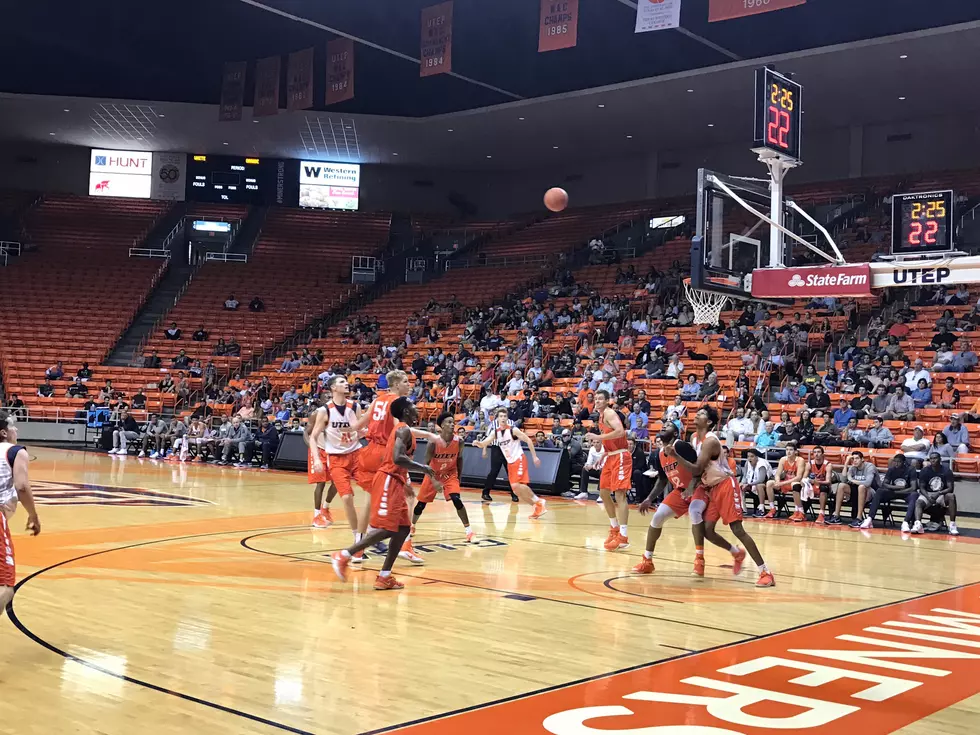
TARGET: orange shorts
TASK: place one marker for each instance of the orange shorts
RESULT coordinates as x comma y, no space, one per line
725,503
389,508
617,472
427,493
314,477
8,569
371,456
676,502
345,467
517,472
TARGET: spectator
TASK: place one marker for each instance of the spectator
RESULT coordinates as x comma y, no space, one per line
220,348
231,303
55,372
691,389
860,478
256,304
84,373
641,482
266,439
740,427
916,373
878,436
542,441
818,399
851,435
126,431
756,472
17,406
237,437
181,361
77,389
139,400
675,346
232,348
935,491
767,437
153,434
290,364
843,414
947,452
45,390
153,361
949,397
638,422
173,333
901,407
861,403
917,446
879,403
593,466
200,335
957,434
899,482
787,430
922,395
674,367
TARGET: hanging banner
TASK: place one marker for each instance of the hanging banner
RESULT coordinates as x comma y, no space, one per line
559,25
232,91
657,15
340,70
299,80
437,39
266,101
728,9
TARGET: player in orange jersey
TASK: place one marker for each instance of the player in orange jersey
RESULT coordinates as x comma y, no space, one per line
509,438
389,498
322,518
724,499
617,473
445,456
14,485
380,421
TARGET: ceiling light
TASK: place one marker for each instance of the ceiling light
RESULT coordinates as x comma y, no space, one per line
489,156
50,133
67,110
450,130
161,115
394,154
902,98
904,56
710,125
690,90
225,143
520,118
554,148
601,106
629,137
254,121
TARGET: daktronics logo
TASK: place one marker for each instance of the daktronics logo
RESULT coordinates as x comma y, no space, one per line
831,279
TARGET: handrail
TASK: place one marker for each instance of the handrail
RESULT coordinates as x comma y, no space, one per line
499,261
10,246
226,257
149,253
172,235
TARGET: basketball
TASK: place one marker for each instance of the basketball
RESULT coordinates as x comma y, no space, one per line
556,199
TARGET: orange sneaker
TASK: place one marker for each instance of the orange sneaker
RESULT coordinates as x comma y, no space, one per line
698,565
770,514
644,567
408,552
797,517
624,543
471,538
388,583
357,558
612,540
820,519
322,519
340,562
766,580
738,558
539,510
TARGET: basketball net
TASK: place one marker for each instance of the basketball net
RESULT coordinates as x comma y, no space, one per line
707,305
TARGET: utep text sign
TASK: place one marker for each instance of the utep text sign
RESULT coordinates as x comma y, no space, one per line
871,672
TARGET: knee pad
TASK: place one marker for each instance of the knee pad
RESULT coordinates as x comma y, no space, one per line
661,516
696,510
457,501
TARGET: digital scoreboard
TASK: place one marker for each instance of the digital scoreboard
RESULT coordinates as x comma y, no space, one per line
778,114
230,179
921,222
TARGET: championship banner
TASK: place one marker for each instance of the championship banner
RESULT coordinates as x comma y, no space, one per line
807,283
437,39
340,70
299,80
559,25
657,15
232,91
267,73
728,9
169,176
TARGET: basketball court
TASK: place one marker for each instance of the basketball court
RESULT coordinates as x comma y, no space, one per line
214,609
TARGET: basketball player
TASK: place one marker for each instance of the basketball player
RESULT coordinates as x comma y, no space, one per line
819,472
790,477
717,496
389,494
14,485
509,438
445,456
617,472
322,517
675,505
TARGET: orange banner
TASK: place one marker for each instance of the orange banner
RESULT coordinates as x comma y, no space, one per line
559,25
299,80
267,73
437,39
728,9
871,672
340,70
232,91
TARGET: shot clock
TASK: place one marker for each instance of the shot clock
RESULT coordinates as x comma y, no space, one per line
922,222
778,113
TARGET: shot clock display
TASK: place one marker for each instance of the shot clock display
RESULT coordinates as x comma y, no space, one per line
921,222
778,113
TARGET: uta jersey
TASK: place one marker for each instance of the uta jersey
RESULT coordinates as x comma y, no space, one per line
339,437
718,469
382,422
8,493
509,444
388,465
611,445
444,459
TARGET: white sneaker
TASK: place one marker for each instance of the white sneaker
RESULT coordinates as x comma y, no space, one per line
953,530
123,451
112,451
141,454
581,496
867,523
905,527
154,455
917,527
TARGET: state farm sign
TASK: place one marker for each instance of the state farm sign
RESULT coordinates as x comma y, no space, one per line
788,283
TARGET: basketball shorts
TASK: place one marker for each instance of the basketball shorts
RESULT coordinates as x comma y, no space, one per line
725,503
676,502
371,456
314,477
389,509
346,467
427,493
617,472
517,472
8,575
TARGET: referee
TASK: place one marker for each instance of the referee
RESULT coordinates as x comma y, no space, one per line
496,462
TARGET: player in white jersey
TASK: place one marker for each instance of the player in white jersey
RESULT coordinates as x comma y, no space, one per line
509,438
14,485
322,517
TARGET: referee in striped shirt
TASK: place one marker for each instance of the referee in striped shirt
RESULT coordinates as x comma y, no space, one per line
497,461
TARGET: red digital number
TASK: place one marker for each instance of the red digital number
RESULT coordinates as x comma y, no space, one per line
777,132
932,227
915,233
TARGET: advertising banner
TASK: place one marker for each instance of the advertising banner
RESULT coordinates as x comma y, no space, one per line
121,162
329,185
936,272
168,180
299,80
267,73
728,9
232,91
340,70
657,15
437,39
558,28
131,186
806,283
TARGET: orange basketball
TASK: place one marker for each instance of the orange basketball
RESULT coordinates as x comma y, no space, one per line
556,199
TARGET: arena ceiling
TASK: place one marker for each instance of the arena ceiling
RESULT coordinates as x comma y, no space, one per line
150,80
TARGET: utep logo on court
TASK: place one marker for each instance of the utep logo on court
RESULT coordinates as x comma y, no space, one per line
71,493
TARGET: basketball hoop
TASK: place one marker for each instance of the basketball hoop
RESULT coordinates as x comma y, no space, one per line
707,305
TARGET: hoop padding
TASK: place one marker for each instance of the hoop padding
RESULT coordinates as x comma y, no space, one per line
707,305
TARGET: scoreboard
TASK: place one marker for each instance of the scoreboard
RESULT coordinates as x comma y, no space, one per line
778,114
230,179
921,223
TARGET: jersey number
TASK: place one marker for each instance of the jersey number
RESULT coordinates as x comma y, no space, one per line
380,411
